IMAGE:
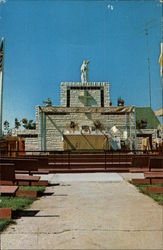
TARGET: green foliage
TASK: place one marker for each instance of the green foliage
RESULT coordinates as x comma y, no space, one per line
6,126
28,124
157,197
33,188
15,202
17,123
4,223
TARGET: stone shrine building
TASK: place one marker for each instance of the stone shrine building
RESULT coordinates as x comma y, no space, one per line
85,120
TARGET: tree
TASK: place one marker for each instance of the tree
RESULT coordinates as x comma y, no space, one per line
6,125
28,124
17,123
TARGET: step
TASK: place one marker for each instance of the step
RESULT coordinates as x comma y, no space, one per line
85,170
138,170
153,174
90,164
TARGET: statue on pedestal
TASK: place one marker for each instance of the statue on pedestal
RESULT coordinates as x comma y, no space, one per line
84,72
48,102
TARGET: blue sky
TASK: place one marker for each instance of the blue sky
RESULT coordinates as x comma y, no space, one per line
46,42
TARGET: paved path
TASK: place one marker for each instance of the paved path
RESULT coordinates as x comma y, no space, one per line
89,215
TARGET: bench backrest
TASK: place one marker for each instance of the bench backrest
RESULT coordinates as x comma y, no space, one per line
156,163
140,161
7,172
22,164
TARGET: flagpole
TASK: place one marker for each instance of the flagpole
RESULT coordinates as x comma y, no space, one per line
161,67
1,89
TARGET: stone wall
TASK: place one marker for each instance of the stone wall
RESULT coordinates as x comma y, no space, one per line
140,132
31,144
30,137
80,97
52,126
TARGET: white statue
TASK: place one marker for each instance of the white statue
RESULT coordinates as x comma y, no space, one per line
84,72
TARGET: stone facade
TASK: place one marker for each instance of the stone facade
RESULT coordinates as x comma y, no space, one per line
84,106
30,137
54,123
31,144
91,94
141,133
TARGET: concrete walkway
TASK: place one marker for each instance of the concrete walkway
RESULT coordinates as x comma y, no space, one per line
109,214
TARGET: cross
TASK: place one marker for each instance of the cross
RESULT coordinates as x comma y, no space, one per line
85,98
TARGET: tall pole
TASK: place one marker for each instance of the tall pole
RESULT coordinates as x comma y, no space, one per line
149,70
1,84
148,25
162,65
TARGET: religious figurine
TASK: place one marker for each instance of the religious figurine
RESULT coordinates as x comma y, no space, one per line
84,72
120,102
48,102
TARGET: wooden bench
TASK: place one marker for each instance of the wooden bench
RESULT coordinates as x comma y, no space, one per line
7,173
140,181
7,183
73,158
157,190
109,166
156,163
26,193
42,162
22,164
5,213
154,177
140,162
138,170
26,180
8,190
39,171
153,174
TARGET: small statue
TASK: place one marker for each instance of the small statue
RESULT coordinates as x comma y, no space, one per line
120,102
84,72
48,102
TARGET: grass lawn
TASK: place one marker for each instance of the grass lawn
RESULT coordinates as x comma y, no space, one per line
33,188
156,197
4,223
17,202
